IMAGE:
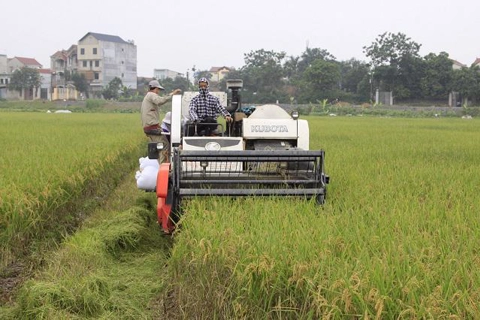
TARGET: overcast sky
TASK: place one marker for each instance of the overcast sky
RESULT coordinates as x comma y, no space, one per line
180,34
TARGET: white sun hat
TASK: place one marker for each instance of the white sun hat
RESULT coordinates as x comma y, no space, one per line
168,117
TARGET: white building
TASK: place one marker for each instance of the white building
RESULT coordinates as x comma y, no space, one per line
102,57
46,84
162,74
4,77
3,63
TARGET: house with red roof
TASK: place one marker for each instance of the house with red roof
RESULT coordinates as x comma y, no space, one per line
20,62
16,63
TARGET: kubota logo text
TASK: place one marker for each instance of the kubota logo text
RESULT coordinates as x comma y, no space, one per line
269,128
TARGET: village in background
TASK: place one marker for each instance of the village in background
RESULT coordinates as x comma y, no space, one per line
91,64
102,66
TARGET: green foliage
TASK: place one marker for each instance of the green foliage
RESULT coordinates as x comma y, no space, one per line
27,105
178,83
390,49
80,82
132,97
202,74
322,75
25,78
113,89
396,64
294,67
93,104
466,81
262,76
320,81
352,73
323,105
437,78
233,74
291,67
312,54
305,110
412,70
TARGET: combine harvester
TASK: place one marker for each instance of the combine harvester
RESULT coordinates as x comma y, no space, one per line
263,152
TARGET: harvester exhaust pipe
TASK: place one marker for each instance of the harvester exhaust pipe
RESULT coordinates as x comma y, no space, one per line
235,102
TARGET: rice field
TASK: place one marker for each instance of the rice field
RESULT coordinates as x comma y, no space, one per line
399,237
49,160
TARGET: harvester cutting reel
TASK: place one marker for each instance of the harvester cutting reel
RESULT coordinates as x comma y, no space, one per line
237,173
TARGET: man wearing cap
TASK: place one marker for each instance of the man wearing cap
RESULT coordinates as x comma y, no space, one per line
150,116
205,107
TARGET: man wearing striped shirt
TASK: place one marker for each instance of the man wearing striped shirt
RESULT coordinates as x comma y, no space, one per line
205,108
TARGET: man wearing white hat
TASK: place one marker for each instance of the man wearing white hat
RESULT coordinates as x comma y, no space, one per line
166,122
150,116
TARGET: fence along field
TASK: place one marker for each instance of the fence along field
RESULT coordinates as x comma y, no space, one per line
398,237
48,160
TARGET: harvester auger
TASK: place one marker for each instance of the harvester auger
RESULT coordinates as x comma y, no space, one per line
264,152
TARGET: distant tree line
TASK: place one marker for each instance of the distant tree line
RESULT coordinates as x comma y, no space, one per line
316,75
395,65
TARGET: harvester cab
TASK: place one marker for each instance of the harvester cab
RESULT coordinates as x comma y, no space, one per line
263,152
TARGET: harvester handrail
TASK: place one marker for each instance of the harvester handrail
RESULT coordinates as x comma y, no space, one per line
256,153
247,182
252,155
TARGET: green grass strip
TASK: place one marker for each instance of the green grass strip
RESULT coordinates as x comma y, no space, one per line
108,270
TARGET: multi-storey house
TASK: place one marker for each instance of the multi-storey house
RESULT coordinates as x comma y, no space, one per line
103,57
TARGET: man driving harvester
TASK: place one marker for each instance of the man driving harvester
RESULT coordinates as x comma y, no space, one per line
205,108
